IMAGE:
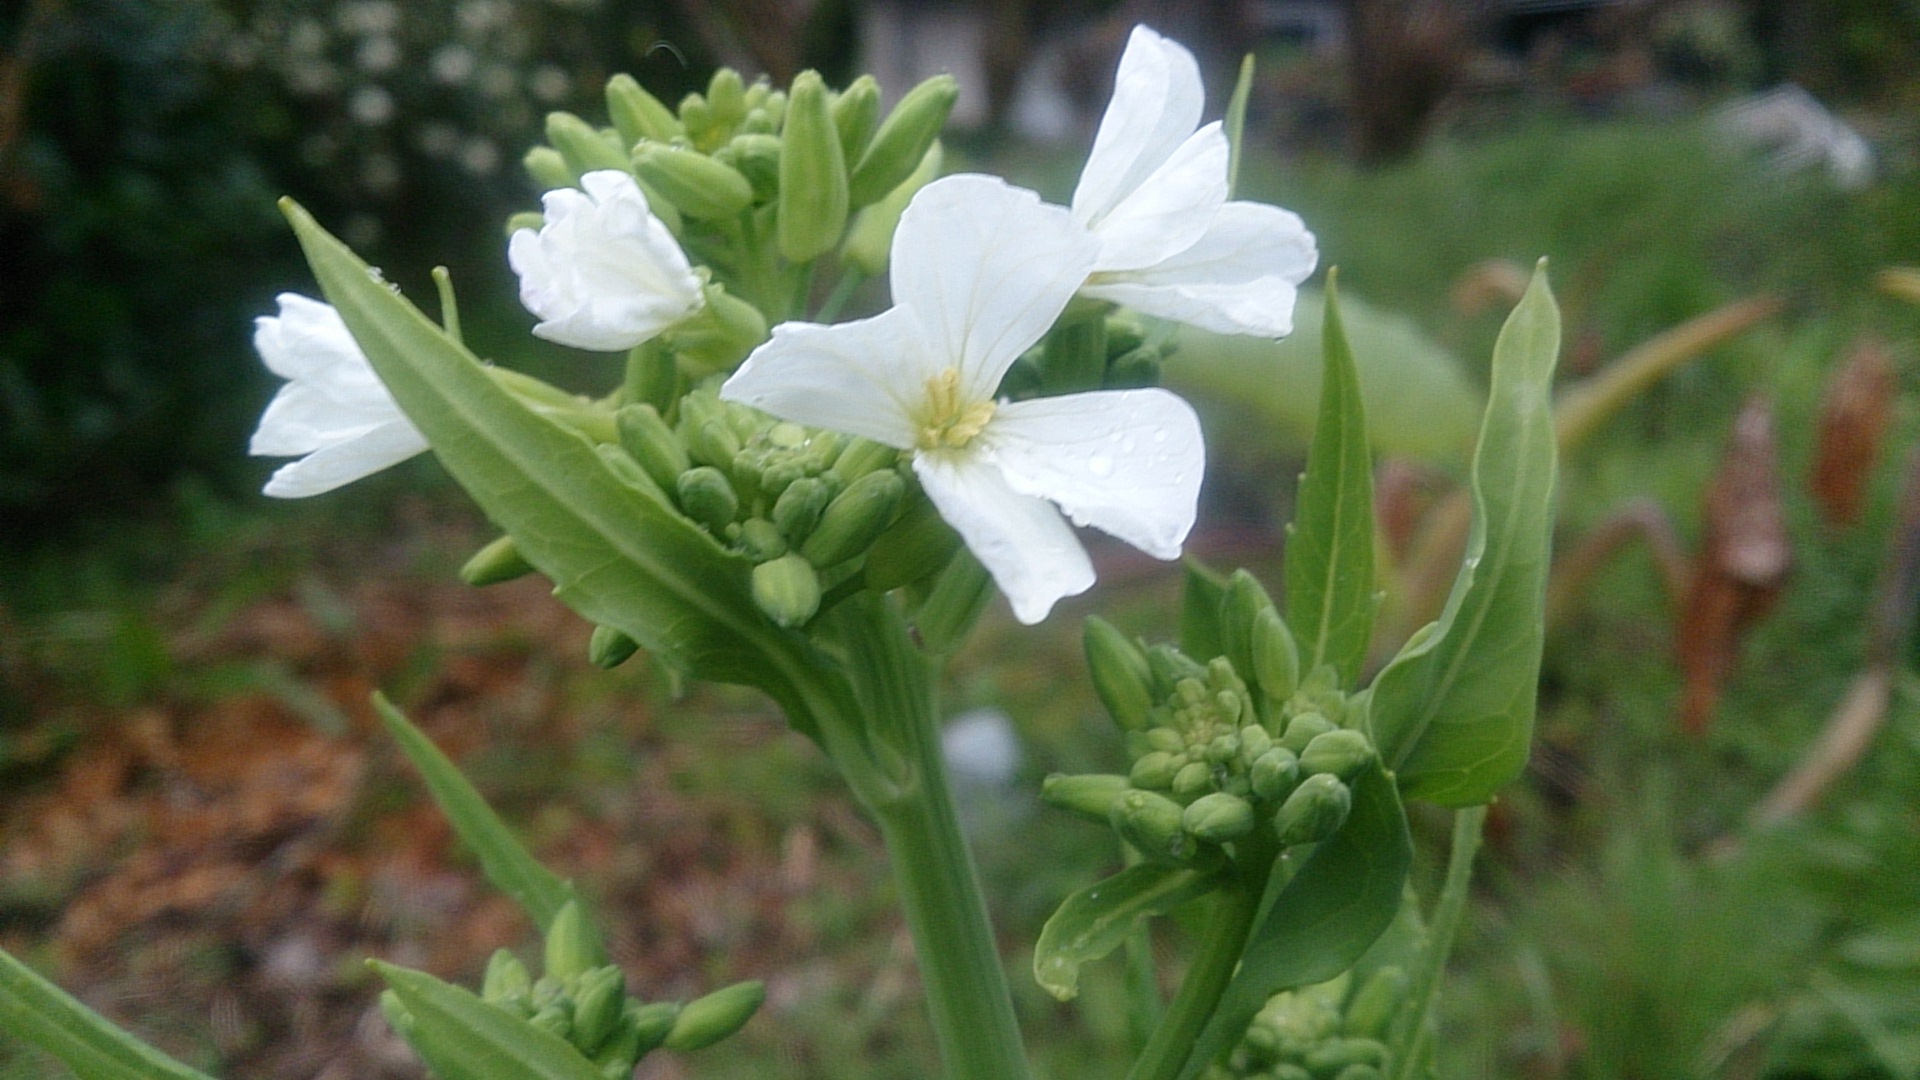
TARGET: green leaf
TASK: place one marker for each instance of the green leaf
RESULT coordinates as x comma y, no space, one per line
1202,591
36,1011
1096,920
465,1038
1453,712
507,864
616,555
1329,553
1323,919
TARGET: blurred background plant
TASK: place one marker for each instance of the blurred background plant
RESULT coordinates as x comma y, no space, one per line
202,829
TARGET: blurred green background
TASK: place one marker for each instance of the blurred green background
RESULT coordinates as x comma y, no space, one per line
201,831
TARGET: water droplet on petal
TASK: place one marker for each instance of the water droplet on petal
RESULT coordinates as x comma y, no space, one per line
1100,465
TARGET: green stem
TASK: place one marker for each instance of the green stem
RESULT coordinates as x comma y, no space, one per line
1410,1039
912,800
1166,1053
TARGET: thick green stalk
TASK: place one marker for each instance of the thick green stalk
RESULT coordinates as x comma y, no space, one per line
1447,913
911,798
1166,1054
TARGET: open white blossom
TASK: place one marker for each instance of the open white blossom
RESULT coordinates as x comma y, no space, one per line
603,272
333,410
1154,194
980,270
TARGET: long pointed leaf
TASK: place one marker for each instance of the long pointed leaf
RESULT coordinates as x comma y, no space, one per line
1330,550
512,869
36,1011
1453,712
1096,920
1324,918
617,556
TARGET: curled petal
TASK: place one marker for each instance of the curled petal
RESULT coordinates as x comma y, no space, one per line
343,462
1157,98
603,272
865,378
1127,462
986,267
1241,277
1022,541
1171,209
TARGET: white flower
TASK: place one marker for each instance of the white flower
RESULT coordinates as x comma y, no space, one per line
603,272
1154,193
334,410
980,270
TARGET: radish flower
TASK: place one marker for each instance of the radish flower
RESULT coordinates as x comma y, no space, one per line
980,270
603,272
1154,195
334,412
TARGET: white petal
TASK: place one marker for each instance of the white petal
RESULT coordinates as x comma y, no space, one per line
1157,98
867,377
344,462
307,339
1022,541
1171,209
986,267
1127,462
1239,278
603,272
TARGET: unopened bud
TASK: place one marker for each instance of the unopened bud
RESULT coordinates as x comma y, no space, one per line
1303,729
1155,770
1136,370
1194,779
1341,753
1359,1071
862,456
902,139
799,507
506,978
651,443
856,111
1152,824
637,114
1124,334
555,1019
707,497
608,648
1373,1006
920,543
1090,795
700,186
584,148
1315,811
1254,741
869,242
813,174
720,334
1338,1057
757,156
548,169
1120,674
727,97
598,1002
1218,817
855,518
1240,610
1169,666
525,219
760,540
1273,774
696,117
787,589
651,1023
500,560
1275,656
705,1021
573,945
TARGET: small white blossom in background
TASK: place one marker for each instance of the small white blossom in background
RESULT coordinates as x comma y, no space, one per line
334,412
603,272
980,270
1154,194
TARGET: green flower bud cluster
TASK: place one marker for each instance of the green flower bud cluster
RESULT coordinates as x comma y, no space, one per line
1217,755
1121,358
1336,1030
803,505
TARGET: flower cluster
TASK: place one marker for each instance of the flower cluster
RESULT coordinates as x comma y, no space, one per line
1334,1030
756,184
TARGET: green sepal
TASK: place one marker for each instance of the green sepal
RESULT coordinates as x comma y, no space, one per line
615,556
1121,677
1453,712
706,1020
699,186
856,111
813,174
1090,795
902,141
35,1011
1242,606
506,862
1316,923
1330,591
472,1040
1097,919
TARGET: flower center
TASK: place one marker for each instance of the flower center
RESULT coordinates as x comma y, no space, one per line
949,422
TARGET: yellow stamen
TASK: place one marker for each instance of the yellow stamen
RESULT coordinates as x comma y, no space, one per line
949,422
